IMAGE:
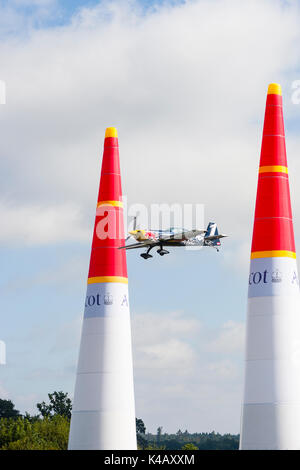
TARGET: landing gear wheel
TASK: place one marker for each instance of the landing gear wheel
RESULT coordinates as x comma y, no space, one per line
146,255
162,252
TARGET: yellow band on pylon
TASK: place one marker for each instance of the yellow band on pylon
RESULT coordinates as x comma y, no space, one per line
110,203
273,254
273,169
101,279
111,132
274,89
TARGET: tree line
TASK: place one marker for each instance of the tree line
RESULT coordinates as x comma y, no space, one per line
48,429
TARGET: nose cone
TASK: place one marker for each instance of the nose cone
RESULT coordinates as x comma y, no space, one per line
106,259
111,132
274,89
273,227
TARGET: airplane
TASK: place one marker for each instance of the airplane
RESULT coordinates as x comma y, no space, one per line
173,237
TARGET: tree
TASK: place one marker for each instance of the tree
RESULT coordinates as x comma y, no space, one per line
31,418
189,447
12,429
43,434
59,404
158,434
140,432
7,409
155,447
140,426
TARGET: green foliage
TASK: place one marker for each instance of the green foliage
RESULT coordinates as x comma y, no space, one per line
50,430
158,432
59,404
12,429
155,447
31,418
141,441
140,433
32,432
41,434
189,447
140,426
203,441
31,443
7,409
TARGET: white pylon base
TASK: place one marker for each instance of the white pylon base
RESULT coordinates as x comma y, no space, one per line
271,409
103,416
269,427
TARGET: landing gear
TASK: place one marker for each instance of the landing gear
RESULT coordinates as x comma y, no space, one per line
162,252
147,255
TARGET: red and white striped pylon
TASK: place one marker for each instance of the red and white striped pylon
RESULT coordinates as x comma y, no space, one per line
271,408
103,415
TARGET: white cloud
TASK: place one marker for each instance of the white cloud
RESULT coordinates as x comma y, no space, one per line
27,402
68,336
237,255
35,224
172,354
223,369
162,342
162,326
185,86
180,366
230,339
4,394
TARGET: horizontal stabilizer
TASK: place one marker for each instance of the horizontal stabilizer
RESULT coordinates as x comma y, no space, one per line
215,237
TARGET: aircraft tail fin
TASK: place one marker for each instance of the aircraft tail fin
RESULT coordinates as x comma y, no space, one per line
212,236
211,230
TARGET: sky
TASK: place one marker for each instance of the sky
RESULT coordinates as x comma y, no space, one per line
185,84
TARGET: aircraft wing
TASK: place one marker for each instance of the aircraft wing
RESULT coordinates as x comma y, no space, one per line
146,243
183,235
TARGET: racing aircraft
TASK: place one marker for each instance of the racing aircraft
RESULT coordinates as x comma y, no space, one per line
173,237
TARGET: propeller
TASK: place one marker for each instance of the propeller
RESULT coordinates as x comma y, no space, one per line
134,228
